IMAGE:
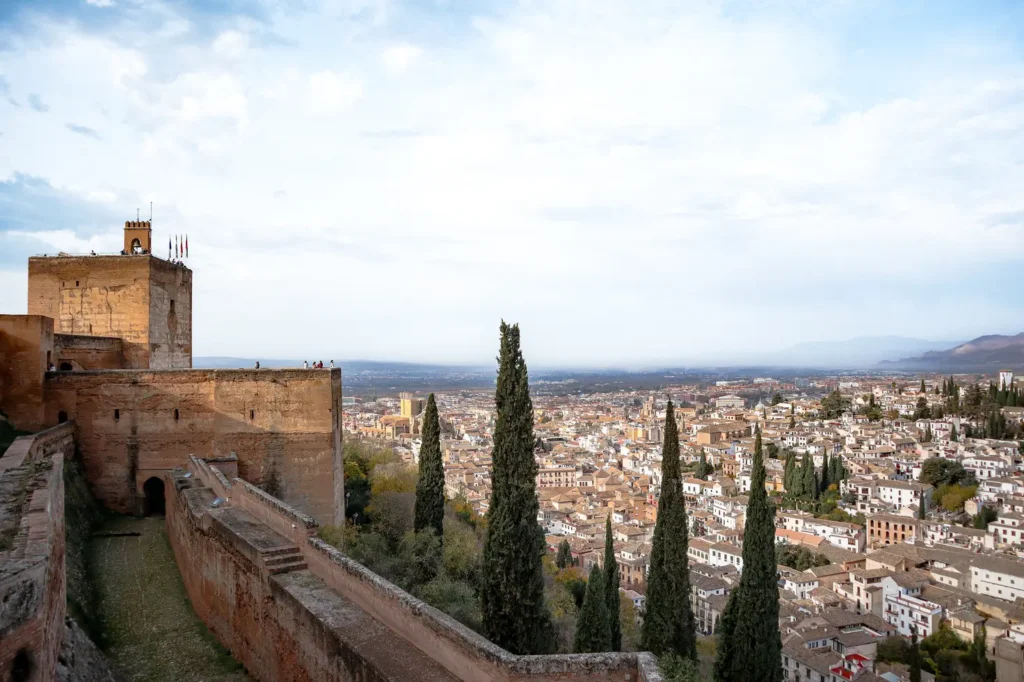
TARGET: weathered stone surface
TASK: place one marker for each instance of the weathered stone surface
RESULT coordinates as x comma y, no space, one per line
283,425
79,659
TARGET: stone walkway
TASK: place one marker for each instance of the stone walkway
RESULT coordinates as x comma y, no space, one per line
149,629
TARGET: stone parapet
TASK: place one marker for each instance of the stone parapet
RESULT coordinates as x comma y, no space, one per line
32,578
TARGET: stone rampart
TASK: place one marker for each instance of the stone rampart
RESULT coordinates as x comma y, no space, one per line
74,352
331,618
284,426
32,578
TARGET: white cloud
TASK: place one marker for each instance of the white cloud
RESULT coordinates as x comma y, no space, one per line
100,3
330,93
729,179
398,58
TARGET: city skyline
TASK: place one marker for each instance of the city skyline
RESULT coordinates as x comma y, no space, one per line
687,184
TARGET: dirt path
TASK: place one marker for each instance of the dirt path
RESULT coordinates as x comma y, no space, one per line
149,629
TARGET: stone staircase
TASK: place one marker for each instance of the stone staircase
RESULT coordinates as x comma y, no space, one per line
283,560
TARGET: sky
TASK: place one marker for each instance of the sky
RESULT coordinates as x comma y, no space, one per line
631,182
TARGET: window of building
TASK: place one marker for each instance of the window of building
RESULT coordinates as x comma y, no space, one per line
117,414
175,414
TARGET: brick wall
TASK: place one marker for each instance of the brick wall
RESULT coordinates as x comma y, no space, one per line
284,426
26,344
32,580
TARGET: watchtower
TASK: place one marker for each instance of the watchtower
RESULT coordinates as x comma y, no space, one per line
138,236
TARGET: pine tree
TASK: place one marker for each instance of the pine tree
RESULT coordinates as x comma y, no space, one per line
564,557
429,511
611,586
668,625
593,634
514,614
749,643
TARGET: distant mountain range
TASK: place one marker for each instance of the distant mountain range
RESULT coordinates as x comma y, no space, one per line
859,353
985,353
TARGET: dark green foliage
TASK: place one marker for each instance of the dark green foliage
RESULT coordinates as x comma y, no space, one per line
923,389
985,516
922,410
937,471
611,586
893,650
826,470
749,644
593,631
809,481
564,557
703,468
922,508
668,622
833,405
799,557
515,616
776,399
676,668
953,435
429,511
914,659
788,473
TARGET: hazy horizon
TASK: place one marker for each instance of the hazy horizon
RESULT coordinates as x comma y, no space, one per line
644,184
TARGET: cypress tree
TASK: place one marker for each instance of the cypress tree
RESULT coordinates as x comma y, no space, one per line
952,434
429,511
703,469
749,644
914,657
564,557
808,483
668,625
923,389
787,476
922,509
611,586
593,634
514,614
826,465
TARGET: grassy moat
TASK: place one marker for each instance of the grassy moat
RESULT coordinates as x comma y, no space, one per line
144,619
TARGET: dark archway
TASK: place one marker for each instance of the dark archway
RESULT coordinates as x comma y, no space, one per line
62,417
66,367
154,492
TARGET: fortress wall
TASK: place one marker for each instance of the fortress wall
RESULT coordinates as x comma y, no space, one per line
26,345
95,296
281,424
32,578
462,652
170,315
88,352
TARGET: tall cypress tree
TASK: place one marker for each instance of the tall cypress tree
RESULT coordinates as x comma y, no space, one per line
429,511
668,625
826,471
749,643
564,557
514,614
808,482
593,634
611,586
787,476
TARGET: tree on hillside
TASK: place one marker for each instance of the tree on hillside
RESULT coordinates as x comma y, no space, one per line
703,468
749,643
952,434
809,482
922,411
788,472
923,389
776,399
668,625
914,657
593,630
937,471
514,614
429,511
564,557
833,405
611,587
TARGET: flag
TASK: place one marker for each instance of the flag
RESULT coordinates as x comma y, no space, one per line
176,247
168,247
186,246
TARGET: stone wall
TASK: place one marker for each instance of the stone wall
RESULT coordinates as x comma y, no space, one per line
88,352
26,347
125,297
283,425
320,616
33,605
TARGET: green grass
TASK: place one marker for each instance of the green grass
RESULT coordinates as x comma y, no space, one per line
146,624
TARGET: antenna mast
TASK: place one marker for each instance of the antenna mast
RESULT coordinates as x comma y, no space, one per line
151,211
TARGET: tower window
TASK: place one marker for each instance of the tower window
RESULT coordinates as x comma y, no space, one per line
117,414
175,414
172,306
252,414
76,282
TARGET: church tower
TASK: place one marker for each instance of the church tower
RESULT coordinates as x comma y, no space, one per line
138,236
